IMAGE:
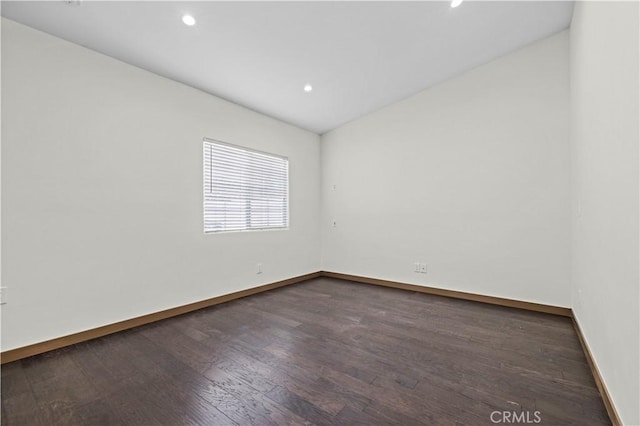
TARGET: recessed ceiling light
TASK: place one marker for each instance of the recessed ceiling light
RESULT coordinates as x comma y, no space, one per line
456,3
189,20
308,87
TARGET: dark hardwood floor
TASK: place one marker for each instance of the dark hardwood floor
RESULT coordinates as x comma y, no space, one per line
320,352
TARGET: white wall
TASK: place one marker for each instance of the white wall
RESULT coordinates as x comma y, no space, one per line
1,177
604,104
470,176
102,192
101,188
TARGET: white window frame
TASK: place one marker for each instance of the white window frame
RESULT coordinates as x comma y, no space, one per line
242,201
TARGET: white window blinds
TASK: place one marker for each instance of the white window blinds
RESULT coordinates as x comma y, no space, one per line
244,189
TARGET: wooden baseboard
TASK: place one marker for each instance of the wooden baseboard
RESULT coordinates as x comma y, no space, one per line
60,342
549,309
49,345
604,393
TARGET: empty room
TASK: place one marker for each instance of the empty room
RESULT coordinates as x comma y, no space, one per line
320,213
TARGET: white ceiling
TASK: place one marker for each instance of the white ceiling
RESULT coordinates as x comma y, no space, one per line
359,56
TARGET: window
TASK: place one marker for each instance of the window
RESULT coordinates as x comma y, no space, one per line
244,189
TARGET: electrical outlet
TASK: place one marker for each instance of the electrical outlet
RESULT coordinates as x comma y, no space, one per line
423,268
259,268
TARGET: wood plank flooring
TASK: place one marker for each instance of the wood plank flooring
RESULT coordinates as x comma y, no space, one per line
320,352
